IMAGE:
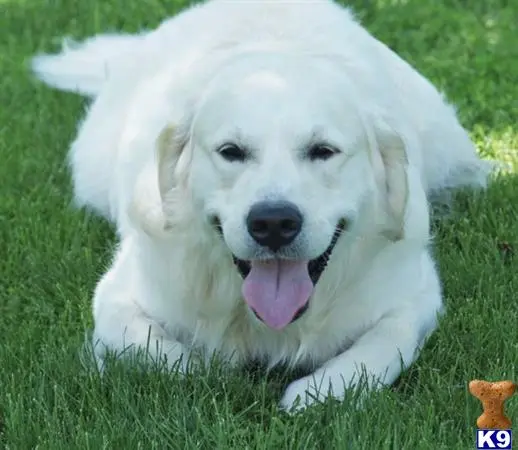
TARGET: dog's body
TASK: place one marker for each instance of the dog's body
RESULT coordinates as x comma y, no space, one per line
231,106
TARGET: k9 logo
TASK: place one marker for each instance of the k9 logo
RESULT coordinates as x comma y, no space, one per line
498,439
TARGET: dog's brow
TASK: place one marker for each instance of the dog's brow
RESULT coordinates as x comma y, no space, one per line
238,139
316,137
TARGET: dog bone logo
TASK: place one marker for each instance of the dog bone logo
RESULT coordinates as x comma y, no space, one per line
492,396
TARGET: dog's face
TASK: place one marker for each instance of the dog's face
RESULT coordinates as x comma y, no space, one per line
280,165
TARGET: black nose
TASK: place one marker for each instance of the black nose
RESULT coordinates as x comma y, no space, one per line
274,225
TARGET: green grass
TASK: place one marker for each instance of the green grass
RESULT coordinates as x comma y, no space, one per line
51,256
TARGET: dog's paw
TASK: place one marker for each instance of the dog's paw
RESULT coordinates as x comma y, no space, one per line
166,355
309,390
295,397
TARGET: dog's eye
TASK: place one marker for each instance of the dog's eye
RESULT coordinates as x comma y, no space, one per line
232,153
321,152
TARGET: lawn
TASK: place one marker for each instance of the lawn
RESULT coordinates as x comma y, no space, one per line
52,255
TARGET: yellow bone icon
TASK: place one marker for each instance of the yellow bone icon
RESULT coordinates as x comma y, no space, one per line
492,395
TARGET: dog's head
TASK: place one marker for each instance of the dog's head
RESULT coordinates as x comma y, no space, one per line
281,157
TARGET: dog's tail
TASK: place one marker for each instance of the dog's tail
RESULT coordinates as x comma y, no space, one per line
83,67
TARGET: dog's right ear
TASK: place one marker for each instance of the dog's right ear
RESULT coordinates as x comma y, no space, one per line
173,161
159,196
169,148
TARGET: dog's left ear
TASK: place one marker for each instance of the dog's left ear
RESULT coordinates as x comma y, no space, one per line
390,162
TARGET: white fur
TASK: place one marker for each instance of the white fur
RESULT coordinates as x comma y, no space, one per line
269,73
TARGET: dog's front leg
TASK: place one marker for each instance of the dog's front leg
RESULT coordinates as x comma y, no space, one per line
378,356
122,326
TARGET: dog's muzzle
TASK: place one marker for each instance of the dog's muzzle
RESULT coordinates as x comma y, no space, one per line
278,291
293,305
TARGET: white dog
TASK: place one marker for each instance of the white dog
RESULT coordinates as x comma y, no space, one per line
268,166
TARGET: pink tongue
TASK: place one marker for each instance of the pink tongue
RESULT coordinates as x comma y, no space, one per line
277,289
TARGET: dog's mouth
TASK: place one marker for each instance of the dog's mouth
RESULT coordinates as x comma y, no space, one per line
315,266
278,290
